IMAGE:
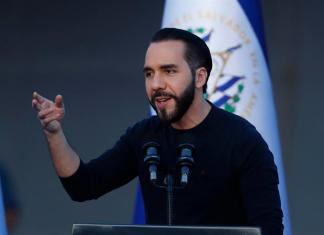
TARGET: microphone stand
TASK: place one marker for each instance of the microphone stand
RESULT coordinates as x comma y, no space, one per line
169,187
170,198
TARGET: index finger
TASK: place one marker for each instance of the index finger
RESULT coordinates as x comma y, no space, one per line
36,105
38,97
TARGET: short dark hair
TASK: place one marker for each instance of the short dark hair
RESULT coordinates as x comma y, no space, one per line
197,53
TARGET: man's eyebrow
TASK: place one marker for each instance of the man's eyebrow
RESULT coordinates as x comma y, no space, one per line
168,66
164,66
146,68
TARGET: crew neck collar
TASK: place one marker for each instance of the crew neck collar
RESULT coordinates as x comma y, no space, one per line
200,125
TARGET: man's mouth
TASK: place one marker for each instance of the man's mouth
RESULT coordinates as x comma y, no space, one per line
162,101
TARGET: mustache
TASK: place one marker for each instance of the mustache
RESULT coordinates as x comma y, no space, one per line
162,93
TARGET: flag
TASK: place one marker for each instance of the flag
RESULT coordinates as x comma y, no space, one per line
3,229
139,214
240,81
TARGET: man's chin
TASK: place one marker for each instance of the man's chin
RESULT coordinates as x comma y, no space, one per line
163,115
168,117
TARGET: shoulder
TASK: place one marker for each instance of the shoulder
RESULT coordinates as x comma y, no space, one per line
248,145
144,128
242,135
140,133
233,123
149,123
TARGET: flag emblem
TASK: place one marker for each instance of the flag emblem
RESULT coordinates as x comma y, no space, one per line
227,89
231,85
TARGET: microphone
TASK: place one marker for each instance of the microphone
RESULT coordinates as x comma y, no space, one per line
151,158
185,161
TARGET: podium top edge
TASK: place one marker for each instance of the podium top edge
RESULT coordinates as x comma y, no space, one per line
163,226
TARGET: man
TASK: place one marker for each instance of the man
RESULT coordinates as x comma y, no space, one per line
233,180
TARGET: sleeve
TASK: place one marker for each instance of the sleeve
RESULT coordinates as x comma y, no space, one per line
259,184
111,170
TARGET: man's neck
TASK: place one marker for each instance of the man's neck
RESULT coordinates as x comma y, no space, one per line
196,113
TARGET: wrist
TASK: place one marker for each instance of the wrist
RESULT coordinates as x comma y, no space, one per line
50,133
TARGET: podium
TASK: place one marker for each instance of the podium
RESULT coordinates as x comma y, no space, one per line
96,229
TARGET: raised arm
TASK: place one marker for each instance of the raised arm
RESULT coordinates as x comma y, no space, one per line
50,114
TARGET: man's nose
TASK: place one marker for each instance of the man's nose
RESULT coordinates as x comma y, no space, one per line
158,82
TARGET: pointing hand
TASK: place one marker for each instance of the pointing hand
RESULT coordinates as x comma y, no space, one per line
50,113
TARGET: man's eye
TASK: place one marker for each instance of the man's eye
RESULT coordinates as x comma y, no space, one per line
148,74
170,71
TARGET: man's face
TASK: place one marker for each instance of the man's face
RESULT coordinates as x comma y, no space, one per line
169,84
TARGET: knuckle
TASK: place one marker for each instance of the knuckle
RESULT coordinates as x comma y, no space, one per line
40,115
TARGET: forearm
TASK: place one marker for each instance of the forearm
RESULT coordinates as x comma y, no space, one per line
65,160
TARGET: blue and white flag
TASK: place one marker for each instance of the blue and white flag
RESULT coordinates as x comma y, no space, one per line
3,229
139,212
240,81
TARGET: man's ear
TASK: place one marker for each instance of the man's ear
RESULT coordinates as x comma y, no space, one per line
201,77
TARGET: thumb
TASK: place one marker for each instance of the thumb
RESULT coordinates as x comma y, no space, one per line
59,101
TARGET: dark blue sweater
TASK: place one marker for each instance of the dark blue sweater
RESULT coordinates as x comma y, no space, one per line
233,181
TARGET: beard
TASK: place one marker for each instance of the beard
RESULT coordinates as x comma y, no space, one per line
182,103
